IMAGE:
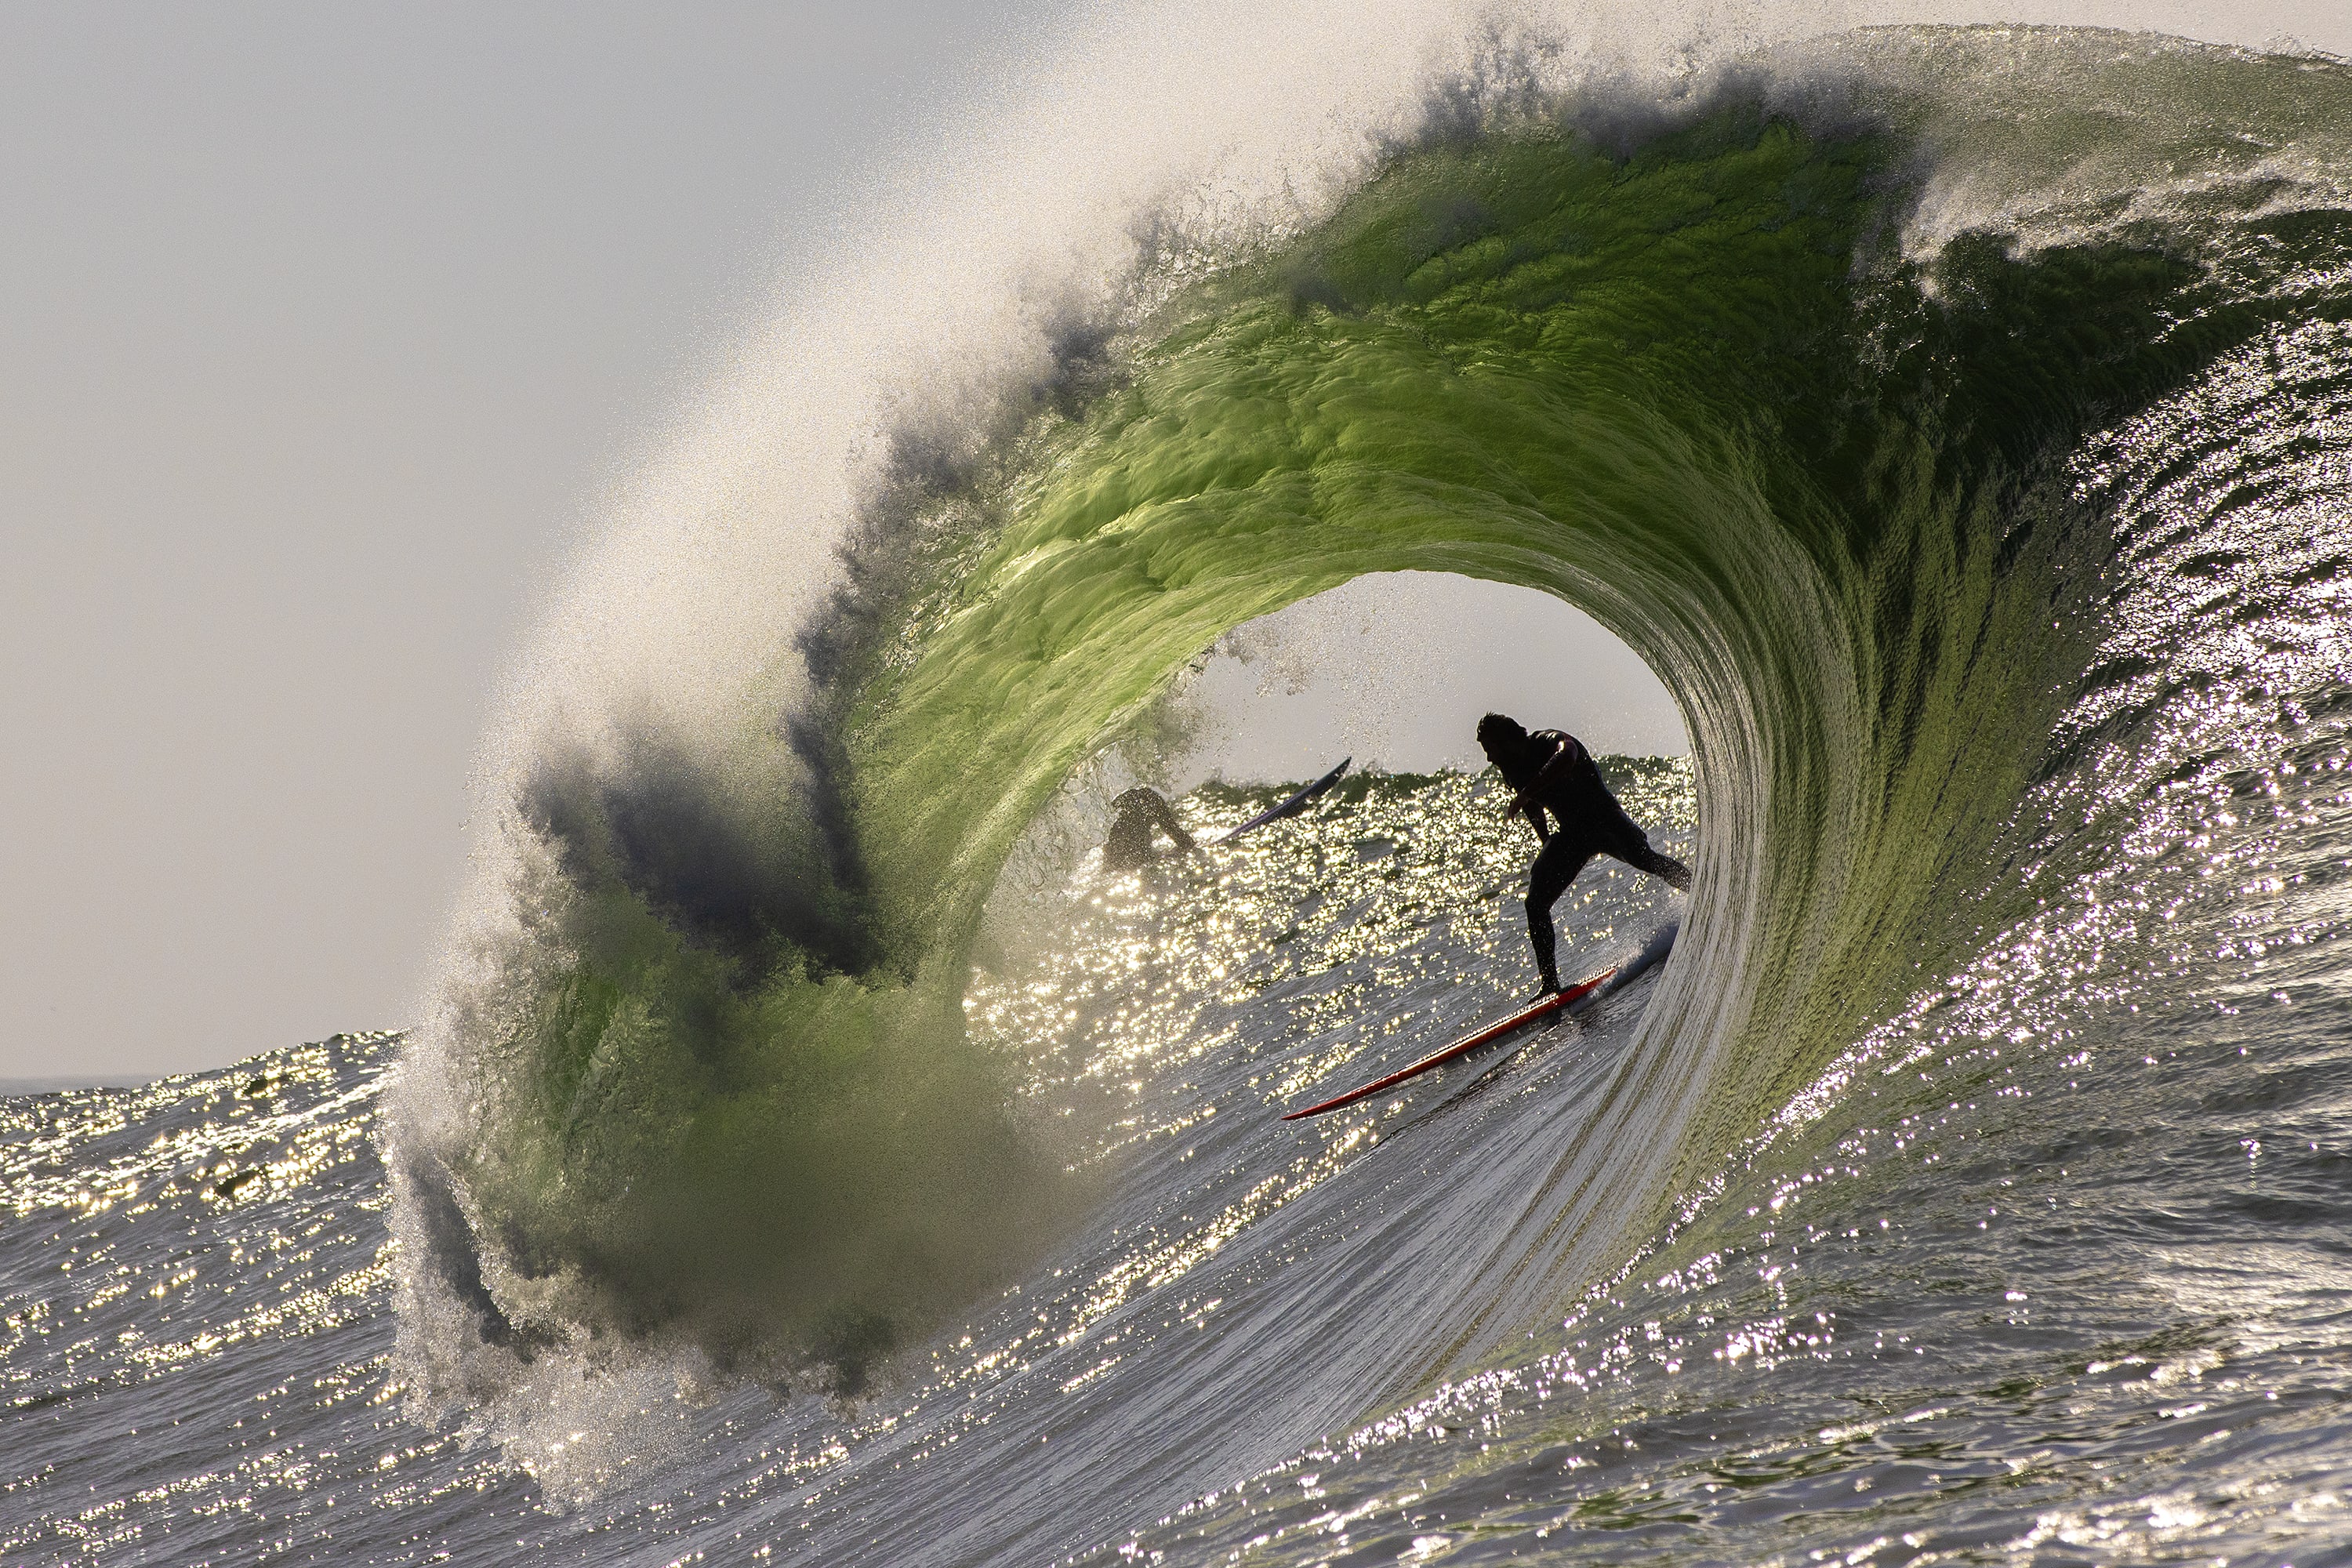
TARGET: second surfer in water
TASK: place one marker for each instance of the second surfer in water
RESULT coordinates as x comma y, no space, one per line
1140,811
1549,772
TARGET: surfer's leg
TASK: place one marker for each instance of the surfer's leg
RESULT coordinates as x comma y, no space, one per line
1547,879
1637,853
1675,874
1624,840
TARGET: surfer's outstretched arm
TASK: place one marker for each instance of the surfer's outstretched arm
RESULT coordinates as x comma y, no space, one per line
1164,815
1522,804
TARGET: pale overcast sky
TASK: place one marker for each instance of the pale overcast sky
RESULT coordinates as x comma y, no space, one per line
321,326
1395,669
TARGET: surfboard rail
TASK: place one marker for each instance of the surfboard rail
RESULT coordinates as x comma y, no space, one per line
1541,1007
1573,1000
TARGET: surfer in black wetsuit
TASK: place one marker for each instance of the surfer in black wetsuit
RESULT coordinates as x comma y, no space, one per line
1551,772
1130,845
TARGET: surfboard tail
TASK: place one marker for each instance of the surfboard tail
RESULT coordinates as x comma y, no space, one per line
1653,953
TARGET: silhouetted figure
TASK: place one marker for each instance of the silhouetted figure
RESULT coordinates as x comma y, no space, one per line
1551,772
1130,845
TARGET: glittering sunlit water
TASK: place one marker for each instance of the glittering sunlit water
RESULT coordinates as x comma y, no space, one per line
2049,1267
200,1343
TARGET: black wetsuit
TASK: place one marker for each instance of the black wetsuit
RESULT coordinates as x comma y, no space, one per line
1590,823
1140,811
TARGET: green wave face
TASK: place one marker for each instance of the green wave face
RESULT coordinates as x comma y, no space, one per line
1691,381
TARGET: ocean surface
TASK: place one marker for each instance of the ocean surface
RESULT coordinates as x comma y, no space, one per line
811,1154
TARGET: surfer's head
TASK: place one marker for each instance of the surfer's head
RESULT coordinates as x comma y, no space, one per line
1502,737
